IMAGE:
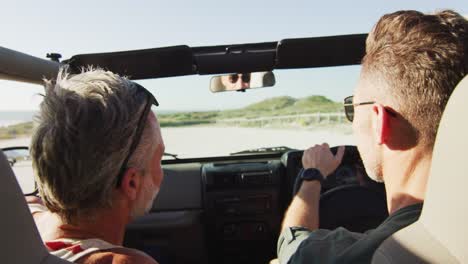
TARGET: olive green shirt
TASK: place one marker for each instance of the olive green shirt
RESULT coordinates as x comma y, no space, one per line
300,245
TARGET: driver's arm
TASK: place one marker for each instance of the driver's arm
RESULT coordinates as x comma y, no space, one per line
302,216
303,210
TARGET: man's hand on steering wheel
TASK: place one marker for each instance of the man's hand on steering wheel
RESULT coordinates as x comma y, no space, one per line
320,157
304,208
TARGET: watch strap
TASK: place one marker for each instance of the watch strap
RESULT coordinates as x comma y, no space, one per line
312,174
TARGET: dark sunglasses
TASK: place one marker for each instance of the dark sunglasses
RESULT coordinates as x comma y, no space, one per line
150,101
244,76
349,107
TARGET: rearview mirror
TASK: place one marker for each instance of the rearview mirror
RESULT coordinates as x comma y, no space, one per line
241,81
21,164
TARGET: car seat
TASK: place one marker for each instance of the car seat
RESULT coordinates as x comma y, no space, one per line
20,241
441,233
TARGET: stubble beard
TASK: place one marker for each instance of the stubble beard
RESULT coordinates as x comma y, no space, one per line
373,168
144,205
372,165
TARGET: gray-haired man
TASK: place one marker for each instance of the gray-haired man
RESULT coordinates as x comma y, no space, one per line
97,155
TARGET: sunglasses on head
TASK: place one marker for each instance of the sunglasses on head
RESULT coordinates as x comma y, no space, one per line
150,101
244,76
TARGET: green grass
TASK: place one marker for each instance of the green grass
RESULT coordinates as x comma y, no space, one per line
272,104
17,130
276,106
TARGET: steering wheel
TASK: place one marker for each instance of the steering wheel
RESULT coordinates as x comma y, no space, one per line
349,198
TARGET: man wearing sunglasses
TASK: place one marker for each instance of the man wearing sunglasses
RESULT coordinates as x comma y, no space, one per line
412,64
96,154
236,82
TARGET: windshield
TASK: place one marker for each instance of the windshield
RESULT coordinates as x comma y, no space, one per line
303,108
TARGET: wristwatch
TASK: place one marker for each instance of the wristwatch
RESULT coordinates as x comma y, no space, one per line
312,174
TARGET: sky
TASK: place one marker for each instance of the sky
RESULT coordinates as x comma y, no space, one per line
77,27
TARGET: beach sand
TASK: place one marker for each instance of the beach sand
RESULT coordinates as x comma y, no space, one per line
206,141
191,142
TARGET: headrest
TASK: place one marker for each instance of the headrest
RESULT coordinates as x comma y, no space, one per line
441,233
445,211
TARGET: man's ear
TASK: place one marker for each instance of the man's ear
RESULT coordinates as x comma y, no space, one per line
131,182
381,120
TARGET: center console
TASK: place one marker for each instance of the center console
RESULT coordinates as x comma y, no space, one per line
242,207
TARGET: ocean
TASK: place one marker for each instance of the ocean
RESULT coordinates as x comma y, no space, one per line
15,117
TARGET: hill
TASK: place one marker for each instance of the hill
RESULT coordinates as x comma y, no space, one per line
282,105
272,104
276,106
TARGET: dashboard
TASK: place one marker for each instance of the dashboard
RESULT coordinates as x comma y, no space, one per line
229,209
245,202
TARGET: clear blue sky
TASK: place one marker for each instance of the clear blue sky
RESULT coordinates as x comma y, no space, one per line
69,28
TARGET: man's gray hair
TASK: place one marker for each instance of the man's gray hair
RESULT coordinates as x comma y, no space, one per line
85,127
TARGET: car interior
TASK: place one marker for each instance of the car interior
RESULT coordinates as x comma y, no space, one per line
228,209
20,242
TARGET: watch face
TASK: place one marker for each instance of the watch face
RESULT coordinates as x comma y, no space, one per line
311,175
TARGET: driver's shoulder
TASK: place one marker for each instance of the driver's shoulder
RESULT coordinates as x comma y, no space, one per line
118,256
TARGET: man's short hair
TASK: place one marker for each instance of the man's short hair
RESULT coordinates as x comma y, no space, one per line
421,58
85,127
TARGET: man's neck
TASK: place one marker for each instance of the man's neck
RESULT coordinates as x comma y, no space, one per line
108,225
406,176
